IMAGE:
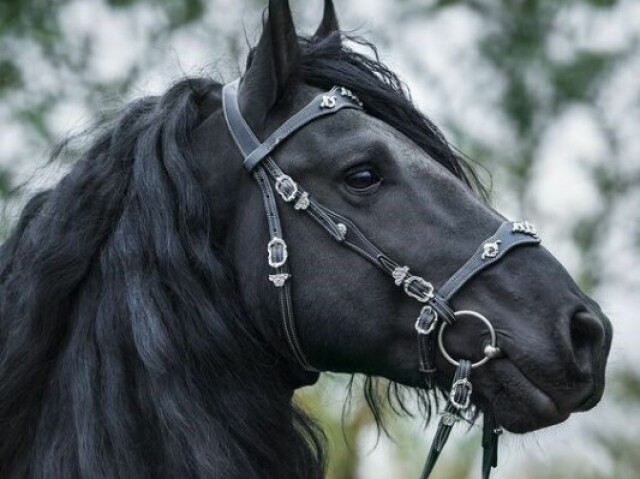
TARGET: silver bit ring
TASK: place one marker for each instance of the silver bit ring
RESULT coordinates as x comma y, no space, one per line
494,348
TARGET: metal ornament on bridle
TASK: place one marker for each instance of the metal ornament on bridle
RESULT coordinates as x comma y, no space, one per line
435,304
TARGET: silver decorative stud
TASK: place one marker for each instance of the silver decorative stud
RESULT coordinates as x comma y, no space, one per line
492,352
328,101
400,274
491,249
303,202
525,227
342,229
449,419
279,279
349,94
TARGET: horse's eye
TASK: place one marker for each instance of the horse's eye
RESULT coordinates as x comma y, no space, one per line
362,180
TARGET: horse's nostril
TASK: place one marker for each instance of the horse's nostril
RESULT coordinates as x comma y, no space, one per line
587,334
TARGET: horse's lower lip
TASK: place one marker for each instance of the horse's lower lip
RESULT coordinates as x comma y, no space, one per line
520,405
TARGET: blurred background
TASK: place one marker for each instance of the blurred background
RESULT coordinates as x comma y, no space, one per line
545,94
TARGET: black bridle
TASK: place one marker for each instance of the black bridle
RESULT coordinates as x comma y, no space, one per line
435,315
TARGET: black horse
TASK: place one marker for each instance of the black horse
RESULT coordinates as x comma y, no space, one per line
139,333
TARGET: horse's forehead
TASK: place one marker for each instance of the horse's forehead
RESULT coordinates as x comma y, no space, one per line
357,132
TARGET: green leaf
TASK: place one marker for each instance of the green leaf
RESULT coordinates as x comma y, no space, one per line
184,12
121,3
603,3
10,76
579,79
5,182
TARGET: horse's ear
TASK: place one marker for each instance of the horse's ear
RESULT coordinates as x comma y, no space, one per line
271,65
329,23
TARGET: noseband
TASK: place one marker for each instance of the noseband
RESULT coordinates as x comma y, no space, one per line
436,313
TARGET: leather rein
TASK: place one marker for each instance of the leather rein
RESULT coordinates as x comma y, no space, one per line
436,313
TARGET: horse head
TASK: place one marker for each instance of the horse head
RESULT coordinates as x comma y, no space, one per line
154,321
387,168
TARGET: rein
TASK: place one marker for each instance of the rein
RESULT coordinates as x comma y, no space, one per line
436,313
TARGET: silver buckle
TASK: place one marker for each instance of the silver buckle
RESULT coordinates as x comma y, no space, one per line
426,295
452,395
427,310
273,244
282,183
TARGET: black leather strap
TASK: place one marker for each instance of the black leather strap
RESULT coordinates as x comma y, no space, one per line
492,250
323,105
343,230
491,432
246,142
458,402
436,305
509,235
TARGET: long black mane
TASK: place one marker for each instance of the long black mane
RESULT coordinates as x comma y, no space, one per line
125,351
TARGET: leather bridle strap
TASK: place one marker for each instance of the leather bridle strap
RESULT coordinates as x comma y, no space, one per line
337,226
436,310
508,236
246,141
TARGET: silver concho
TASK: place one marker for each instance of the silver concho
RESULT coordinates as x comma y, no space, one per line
349,94
449,419
526,228
279,279
400,274
303,202
342,229
491,249
328,101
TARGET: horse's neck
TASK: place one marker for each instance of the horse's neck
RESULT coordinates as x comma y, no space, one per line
242,430
270,438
